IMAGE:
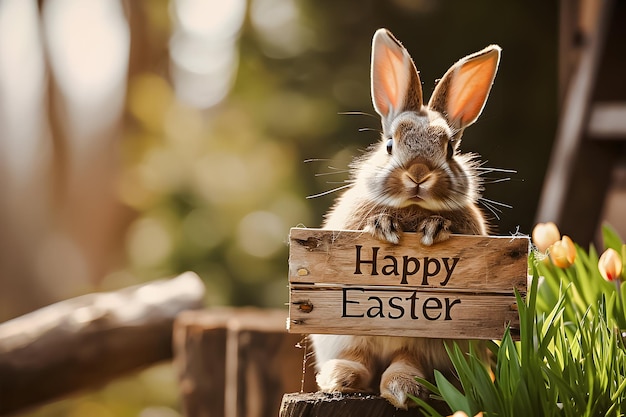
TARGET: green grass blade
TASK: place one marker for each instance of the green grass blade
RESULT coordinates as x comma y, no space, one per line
455,399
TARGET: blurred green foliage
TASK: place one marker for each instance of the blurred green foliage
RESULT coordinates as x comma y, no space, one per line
216,190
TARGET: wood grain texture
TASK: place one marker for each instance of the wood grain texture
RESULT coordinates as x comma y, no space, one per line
411,313
87,341
345,405
237,362
199,351
347,282
485,263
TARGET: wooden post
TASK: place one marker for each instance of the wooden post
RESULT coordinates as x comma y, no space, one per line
237,362
591,61
200,358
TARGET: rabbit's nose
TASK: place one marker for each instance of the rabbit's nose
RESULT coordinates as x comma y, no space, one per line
417,173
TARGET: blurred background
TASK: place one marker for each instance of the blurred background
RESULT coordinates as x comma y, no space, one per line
143,138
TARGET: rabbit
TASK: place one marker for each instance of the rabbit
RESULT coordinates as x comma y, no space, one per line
415,179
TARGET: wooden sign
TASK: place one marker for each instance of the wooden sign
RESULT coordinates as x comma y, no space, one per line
348,282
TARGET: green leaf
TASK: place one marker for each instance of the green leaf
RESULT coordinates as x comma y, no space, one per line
428,385
426,409
611,238
455,399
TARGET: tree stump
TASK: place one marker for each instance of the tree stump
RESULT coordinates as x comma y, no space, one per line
340,405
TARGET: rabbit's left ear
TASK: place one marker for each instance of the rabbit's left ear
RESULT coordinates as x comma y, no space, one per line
462,92
396,85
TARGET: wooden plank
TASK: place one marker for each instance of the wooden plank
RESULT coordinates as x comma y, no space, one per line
199,357
237,362
400,311
482,264
263,363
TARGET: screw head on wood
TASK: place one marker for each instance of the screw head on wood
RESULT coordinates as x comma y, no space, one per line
304,306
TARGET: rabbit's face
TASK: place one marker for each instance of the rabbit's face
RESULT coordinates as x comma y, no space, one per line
417,163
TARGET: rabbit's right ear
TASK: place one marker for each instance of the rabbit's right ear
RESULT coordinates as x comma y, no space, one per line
396,85
462,92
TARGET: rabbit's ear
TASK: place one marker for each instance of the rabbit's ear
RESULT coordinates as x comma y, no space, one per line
396,85
462,92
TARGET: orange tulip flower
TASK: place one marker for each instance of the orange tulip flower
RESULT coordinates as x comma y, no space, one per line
563,252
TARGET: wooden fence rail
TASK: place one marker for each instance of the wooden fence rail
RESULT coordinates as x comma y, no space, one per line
89,340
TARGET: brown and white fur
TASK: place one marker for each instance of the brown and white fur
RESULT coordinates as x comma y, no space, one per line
414,180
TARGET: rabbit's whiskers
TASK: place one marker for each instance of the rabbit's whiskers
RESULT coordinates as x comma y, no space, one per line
343,187
493,206
358,113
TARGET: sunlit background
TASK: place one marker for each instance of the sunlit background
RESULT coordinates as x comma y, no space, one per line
143,138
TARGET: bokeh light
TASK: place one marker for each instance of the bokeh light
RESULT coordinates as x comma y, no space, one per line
141,139
22,78
204,49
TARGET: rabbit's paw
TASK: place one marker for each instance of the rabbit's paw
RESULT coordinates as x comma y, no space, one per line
341,375
384,227
434,229
398,382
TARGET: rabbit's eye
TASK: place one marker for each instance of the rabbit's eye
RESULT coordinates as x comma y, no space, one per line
450,148
389,146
